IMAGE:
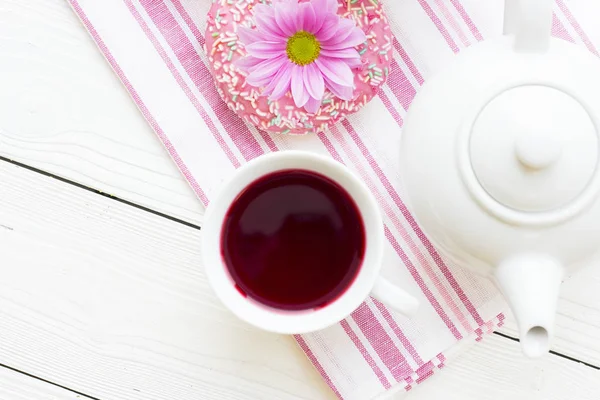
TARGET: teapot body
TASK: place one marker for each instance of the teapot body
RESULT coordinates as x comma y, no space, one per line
499,161
458,215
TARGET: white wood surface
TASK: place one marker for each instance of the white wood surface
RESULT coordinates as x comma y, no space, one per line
16,386
62,109
111,301
496,370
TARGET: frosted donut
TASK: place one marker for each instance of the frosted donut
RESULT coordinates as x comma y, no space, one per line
224,48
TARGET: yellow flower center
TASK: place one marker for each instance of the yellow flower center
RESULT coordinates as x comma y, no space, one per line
303,48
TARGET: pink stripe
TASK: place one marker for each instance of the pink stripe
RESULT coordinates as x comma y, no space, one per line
390,107
398,332
463,14
313,359
381,342
559,30
436,21
450,18
442,359
501,319
207,120
565,10
407,60
365,353
400,85
136,98
202,78
410,219
268,140
415,274
189,22
327,143
425,371
490,326
405,236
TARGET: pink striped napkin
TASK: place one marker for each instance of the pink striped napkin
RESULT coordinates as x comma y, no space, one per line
155,47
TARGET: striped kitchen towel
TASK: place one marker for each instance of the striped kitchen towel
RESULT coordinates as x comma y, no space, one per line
156,49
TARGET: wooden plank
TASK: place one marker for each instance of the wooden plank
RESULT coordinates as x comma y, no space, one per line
112,301
16,386
63,110
496,369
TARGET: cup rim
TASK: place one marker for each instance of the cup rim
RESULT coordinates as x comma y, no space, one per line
266,317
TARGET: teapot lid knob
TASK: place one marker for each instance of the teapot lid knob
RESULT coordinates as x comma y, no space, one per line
538,150
533,148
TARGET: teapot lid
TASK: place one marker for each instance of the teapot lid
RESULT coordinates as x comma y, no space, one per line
533,148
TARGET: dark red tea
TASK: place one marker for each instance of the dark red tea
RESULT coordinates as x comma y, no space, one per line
293,240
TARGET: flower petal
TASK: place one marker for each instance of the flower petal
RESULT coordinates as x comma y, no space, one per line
343,92
299,22
265,20
247,63
265,50
265,70
328,29
281,82
313,81
285,16
332,6
320,15
247,35
325,6
258,83
353,62
356,37
263,9
336,71
308,16
313,105
344,29
299,93
341,53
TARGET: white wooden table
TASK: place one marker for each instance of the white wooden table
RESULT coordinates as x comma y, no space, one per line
102,293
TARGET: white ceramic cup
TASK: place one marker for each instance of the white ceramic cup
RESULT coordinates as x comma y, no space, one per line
368,281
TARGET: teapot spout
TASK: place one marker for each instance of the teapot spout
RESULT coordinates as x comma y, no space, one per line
531,285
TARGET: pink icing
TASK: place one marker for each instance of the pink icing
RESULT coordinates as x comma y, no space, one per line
282,116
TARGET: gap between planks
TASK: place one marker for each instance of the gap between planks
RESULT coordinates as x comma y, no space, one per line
37,378
566,357
96,191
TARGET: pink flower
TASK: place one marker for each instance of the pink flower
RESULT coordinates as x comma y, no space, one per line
304,47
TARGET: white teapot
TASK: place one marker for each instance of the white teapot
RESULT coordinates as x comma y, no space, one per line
500,162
